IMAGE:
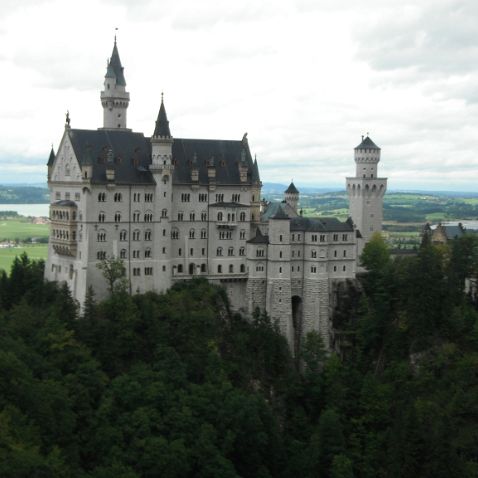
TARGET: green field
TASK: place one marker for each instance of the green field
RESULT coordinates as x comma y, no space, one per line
34,251
11,229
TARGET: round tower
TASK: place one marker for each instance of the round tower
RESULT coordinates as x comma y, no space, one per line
114,97
291,196
366,191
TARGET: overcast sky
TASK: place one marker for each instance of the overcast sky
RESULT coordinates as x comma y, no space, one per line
304,78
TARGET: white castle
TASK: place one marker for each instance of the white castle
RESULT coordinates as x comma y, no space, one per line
174,209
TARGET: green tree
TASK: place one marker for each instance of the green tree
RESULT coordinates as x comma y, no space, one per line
114,272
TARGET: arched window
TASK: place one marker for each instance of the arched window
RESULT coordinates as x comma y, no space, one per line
219,251
174,233
148,217
136,234
203,234
242,251
147,252
123,235
147,235
136,215
180,268
219,216
231,268
164,213
191,269
101,197
243,268
101,236
117,217
191,233
242,216
118,197
101,217
123,254
230,251
219,269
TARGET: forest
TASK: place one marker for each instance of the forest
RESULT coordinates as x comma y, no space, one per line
178,385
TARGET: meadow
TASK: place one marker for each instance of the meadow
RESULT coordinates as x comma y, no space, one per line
21,230
34,251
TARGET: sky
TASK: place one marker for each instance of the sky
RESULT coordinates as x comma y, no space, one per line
304,78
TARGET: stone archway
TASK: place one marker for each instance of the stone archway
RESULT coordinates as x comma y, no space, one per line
297,320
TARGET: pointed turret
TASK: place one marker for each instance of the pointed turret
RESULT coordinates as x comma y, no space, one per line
255,172
291,195
52,157
162,124
114,97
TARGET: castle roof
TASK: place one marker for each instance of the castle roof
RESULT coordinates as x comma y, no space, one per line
322,224
114,68
255,172
162,123
291,189
131,154
51,158
367,143
279,214
259,238
273,207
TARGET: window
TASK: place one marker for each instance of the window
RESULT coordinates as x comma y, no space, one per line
57,195
242,268
164,250
314,238
147,253
180,252
344,237
293,237
136,215
242,251
335,253
185,197
236,198
136,197
118,197
100,255
219,197
336,237
136,254
174,234
148,197
203,267
280,270
101,236
203,251
148,271
164,232
231,268
322,238
180,268
136,271
242,234
260,253
260,268
202,197
101,217
204,216
313,254
225,235
345,253
180,216
219,269
191,233
335,268
117,217
313,269
203,234
147,235
123,254
192,216
230,251
344,268
280,254
148,217
136,235
219,216
77,196
219,251
164,268
101,197
164,213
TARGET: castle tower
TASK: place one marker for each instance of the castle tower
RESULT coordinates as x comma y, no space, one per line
162,168
366,191
114,97
292,196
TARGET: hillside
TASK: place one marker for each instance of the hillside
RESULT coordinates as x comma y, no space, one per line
175,385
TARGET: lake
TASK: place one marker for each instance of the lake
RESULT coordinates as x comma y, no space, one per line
27,209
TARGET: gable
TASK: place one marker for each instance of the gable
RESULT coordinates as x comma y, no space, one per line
66,167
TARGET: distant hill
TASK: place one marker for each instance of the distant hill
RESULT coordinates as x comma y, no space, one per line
23,194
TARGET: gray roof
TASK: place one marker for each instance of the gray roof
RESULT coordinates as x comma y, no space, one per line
255,172
65,202
259,238
322,224
291,189
279,214
367,143
162,123
453,232
51,159
273,207
226,155
114,68
131,155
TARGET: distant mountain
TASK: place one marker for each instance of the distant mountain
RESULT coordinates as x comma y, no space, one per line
278,188
24,194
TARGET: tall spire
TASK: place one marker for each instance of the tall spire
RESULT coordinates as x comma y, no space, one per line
162,123
115,68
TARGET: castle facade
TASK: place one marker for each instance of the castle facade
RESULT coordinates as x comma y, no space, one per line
175,208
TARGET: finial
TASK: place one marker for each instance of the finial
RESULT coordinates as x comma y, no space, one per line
67,120
162,96
368,134
362,137
116,29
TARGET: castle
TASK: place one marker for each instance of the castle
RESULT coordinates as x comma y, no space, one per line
175,208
